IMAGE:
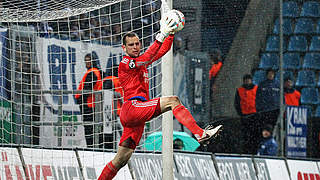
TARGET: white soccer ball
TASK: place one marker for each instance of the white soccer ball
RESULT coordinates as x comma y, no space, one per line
176,16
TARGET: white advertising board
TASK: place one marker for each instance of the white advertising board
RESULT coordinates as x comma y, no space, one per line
10,164
195,166
94,162
235,168
271,169
51,164
277,169
303,170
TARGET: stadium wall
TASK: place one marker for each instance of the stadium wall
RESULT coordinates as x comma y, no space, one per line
18,163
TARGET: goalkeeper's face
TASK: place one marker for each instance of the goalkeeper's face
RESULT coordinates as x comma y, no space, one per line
132,46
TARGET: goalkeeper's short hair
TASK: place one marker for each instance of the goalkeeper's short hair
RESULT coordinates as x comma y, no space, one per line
128,34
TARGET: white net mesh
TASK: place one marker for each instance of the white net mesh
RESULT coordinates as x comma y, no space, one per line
44,63
41,10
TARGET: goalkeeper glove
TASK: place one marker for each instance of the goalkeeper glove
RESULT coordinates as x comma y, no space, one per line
167,27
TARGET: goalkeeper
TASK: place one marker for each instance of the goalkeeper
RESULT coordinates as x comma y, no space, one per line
137,107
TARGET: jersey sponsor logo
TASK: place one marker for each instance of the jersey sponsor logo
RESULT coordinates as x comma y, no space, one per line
146,79
132,64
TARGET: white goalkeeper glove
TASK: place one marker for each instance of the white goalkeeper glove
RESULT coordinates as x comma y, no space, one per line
167,26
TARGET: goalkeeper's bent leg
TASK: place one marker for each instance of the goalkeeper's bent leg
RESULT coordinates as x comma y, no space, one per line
181,113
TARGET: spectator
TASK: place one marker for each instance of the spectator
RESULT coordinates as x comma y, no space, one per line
216,63
75,33
116,32
90,81
178,144
50,32
112,82
93,23
178,45
268,145
84,21
45,30
268,99
291,95
245,105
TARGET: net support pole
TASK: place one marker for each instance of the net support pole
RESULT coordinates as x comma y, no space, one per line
167,118
281,115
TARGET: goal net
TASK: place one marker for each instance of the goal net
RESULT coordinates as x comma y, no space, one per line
44,46
47,63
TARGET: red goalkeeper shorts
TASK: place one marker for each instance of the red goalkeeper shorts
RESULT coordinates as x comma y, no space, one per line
133,116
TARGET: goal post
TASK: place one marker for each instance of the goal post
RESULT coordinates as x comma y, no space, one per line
167,118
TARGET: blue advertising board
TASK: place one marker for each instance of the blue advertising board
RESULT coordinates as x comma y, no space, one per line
296,141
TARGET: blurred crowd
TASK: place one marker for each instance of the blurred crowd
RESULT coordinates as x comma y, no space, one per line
105,25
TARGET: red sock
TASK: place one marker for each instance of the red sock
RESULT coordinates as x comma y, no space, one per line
108,172
185,118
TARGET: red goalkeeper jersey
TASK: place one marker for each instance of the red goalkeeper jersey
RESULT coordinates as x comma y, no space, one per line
133,73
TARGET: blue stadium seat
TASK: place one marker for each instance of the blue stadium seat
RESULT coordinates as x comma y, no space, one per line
318,83
269,60
287,26
259,76
309,96
290,9
315,43
310,9
318,27
304,26
291,61
273,44
311,61
286,74
298,43
306,78
317,112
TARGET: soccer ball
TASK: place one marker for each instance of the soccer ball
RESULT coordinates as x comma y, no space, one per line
176,16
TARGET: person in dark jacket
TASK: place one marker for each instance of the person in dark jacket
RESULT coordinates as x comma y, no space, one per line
268,145
291,95
91,81
268,99
245,105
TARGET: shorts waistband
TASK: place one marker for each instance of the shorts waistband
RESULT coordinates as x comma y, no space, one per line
140,98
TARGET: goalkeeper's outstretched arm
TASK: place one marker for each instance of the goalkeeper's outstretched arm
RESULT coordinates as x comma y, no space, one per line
154,52
165,47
